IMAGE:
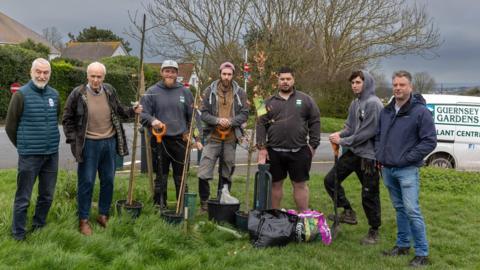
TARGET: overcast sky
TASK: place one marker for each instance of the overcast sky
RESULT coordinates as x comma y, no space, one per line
458,60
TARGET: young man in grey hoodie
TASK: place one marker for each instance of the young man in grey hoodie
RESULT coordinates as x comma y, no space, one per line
358,138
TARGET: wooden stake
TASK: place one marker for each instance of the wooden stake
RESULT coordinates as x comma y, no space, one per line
140,90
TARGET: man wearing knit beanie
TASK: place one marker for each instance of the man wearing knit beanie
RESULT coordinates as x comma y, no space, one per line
224,109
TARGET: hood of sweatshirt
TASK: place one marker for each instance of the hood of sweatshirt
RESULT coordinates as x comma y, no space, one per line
368,85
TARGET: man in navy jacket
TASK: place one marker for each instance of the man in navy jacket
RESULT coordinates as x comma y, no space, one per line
406,135
32,126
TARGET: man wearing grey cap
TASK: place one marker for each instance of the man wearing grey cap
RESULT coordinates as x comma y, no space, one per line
224,109
168,104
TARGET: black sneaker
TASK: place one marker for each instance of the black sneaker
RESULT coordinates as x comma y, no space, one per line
347,216
419,261
397,251
371,238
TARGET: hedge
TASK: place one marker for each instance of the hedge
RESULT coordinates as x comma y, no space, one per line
332,99
15,67
16,63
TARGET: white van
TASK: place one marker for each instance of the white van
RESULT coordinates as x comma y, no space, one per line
457,121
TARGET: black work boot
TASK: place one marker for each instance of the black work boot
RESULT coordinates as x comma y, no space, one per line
160,193
397,251
203,189
419,261
156,198
160,199
371,238
348,216
203,206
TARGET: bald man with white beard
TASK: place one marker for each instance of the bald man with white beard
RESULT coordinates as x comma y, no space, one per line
96,141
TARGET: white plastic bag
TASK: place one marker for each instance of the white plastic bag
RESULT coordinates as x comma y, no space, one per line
226,198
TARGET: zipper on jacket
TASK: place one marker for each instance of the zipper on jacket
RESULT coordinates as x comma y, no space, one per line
84,99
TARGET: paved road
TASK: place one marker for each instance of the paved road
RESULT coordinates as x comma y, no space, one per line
322,162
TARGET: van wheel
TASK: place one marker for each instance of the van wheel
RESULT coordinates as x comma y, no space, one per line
442,161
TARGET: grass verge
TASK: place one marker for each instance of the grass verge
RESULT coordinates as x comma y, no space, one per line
450,201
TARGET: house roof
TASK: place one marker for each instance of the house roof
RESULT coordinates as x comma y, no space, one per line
90,51
13,32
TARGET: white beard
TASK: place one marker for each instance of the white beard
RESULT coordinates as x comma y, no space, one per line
40,85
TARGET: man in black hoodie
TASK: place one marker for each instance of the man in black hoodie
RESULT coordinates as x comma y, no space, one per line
168,104
358,137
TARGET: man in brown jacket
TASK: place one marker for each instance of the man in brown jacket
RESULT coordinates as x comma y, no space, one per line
224,107
93,129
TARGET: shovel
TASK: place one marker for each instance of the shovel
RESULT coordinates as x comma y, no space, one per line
336,222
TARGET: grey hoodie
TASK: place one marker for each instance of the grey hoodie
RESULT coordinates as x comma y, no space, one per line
173,106
362,122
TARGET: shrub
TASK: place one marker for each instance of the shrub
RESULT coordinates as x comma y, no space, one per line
16,63
68,73
334,99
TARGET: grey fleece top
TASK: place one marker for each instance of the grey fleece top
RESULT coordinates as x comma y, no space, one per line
173,106
362,121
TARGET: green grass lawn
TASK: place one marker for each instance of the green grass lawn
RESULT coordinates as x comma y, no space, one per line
450,202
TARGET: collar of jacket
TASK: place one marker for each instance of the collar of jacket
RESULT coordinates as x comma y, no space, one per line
106,87
405,109
277,95
36,89
214,87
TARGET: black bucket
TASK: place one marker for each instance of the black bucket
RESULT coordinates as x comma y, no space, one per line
171,216
133,210
222,212
241,220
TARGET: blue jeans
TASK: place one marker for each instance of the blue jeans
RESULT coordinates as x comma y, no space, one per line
404,185
29,167
98,155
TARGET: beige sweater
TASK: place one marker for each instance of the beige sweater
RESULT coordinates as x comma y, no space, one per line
99,125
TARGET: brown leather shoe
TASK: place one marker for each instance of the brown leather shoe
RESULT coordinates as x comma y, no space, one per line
84,227
102,220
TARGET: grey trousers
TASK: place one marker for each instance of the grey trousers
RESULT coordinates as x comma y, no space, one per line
210,154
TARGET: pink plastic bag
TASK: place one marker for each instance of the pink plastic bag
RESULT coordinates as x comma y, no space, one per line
312,225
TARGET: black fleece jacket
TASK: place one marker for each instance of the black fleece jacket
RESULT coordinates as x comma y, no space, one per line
289,124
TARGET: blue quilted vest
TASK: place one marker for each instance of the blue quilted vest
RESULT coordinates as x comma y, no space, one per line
37,132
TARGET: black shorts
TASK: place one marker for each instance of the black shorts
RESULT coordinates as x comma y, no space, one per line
297,164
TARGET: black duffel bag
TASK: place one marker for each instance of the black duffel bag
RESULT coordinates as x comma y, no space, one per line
269,228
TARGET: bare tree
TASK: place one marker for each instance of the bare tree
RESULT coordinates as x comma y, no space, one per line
423,82
52,35
383,87
356,32
188,28
323,39
327,39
